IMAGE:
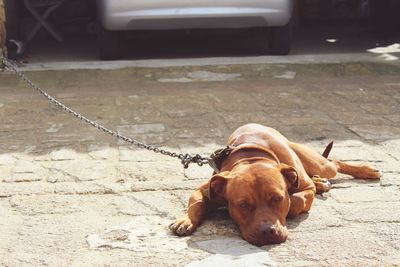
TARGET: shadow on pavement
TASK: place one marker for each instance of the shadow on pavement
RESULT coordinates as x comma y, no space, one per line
316,40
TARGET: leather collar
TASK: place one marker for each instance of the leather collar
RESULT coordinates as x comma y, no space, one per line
248,151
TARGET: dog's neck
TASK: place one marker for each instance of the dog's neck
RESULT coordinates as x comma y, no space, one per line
248,152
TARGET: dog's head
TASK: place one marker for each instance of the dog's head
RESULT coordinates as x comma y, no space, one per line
258,199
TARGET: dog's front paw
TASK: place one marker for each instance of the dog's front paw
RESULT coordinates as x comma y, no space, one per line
182,226
322,185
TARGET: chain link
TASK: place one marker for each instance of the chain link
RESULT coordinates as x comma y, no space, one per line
186,159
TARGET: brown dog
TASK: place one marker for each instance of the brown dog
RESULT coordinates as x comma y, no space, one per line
265,179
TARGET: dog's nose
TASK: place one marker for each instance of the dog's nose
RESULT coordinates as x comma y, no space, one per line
268,230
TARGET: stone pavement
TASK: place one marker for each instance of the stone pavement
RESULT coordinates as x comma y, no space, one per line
72,196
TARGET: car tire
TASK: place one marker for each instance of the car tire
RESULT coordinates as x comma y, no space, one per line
12,19
280,39
110,45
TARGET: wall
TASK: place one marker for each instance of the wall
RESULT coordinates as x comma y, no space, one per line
2,28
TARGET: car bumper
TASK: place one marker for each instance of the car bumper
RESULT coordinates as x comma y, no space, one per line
142,15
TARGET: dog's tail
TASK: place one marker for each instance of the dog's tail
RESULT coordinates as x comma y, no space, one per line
327,150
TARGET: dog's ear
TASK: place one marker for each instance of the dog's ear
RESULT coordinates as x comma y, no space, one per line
217,185
291,175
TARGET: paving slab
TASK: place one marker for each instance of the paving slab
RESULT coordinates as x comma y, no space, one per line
72,196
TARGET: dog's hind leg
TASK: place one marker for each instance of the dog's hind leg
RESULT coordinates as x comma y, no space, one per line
357,170
315,164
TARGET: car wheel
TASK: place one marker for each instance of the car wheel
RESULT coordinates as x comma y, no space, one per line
110,45
15,47
280,39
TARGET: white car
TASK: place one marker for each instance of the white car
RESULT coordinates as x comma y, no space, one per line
127,15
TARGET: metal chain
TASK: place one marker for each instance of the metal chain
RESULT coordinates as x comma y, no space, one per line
186,159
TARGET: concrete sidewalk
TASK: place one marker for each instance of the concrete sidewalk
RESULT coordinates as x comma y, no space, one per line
73,196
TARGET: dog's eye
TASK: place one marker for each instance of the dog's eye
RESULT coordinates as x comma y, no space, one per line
244,205
277,199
